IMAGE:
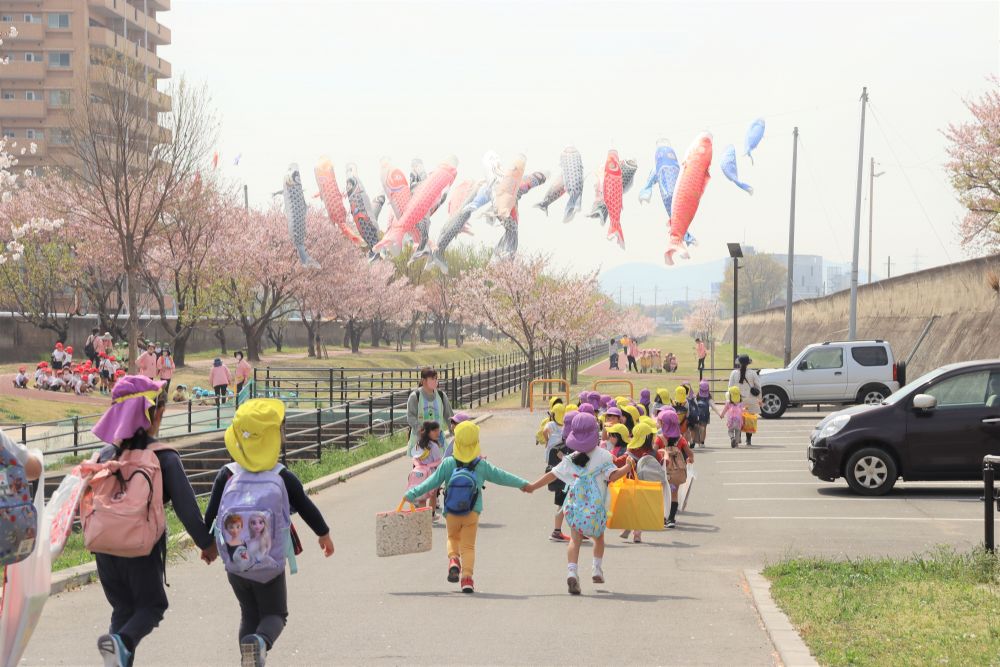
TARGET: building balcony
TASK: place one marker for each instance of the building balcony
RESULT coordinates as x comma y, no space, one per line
22,71
26,32
158,33
102,37
28,109
102,74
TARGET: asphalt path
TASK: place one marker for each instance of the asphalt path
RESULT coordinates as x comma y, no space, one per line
748,507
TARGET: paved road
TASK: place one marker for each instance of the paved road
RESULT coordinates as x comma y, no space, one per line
749,507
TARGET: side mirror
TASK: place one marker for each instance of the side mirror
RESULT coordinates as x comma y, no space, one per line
803,365
924,402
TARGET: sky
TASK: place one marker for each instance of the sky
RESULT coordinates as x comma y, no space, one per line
294,80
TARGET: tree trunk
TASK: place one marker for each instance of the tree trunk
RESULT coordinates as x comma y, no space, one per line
178,348
253,336
576,365
311,336
220,335
277,336
133,318
347,337
376,333
531,376
562,362
355,330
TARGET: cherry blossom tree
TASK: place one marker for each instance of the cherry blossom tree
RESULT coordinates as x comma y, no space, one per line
704,319
974,167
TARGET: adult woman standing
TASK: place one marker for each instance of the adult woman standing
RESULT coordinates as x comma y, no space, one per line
243,371
426,403
748,381
220,378
165,368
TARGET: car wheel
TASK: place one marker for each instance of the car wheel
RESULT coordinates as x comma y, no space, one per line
773,402
871,472
873,394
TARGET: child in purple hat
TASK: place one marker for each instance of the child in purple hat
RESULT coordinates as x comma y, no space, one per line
586,473
678,457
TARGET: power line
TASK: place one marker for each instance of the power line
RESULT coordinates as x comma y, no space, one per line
822,200
909,183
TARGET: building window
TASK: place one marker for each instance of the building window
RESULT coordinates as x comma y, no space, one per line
34,134
58,98
60,136
32,57
7,18
9,134
58,20
58,59
32,96
8,94
32,18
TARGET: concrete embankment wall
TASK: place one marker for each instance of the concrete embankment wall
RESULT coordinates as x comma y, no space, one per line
964,307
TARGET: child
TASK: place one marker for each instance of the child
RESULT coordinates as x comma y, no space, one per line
58,357
461,508
68,357
254,441
678,456
181,394
587,474
540,437
639,449
134,584
618,439
454,420
680,406
555,456
552,431
21,379
732,411
427,457
644,400
704,406
631,416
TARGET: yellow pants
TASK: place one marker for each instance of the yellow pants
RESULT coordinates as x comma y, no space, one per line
462,540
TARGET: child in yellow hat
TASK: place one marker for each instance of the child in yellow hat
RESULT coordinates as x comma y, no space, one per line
254,440
732,411
463,524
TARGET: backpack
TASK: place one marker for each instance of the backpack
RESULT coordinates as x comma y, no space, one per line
694,414
18,516
676,466
122,506
701,407
585,509
420,472
462,491
651,470
88,349
252,502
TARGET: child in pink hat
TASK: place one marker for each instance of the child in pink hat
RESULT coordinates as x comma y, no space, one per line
587,473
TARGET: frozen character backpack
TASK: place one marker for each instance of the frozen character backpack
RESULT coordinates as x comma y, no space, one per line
122,506
585,509
462,491
419,473
18,516
253,527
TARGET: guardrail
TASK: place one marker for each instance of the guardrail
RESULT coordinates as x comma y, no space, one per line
546,393
990,464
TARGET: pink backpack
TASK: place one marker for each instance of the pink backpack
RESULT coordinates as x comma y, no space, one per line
122,506
420,472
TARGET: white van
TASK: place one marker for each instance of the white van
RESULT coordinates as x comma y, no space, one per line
832,372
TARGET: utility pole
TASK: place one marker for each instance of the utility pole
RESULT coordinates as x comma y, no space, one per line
246,198
655,290
871,207
791,252
852,326
888,267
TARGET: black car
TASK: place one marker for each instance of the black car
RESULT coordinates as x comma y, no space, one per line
938,427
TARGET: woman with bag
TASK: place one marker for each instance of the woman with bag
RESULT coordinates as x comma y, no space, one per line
426,403
748,381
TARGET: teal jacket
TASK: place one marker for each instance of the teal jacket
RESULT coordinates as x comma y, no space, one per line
485,472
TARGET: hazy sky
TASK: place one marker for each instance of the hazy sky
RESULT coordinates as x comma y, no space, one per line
294,80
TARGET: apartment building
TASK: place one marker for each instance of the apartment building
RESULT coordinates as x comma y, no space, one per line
60,46
808,275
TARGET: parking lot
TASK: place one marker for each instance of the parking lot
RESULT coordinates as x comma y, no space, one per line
763,503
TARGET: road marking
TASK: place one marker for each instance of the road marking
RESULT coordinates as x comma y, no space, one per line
853,518
867,498
816,483
746,472
756,460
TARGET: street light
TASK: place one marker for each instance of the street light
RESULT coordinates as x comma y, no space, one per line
736,252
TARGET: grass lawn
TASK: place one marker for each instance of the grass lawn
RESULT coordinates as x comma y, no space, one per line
34,408
333,461
942,608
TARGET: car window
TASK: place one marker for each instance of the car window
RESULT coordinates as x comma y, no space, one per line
870,355
965,390
827,357
993,390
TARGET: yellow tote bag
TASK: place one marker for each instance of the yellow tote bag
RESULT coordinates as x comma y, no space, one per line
636,505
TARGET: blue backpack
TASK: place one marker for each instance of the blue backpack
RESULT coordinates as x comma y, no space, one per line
585,509
18,516
701,410
462,490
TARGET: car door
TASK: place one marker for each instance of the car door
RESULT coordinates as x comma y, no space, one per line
950,440
820,374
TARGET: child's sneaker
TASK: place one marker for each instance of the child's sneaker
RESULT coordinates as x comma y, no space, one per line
598,577
454,566
625,534
113,650
573,584
559,536
671,523
467,585
253,651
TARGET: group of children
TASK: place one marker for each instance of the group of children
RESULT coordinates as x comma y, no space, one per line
80,379
650,361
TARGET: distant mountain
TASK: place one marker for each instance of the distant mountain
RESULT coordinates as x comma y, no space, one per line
673,283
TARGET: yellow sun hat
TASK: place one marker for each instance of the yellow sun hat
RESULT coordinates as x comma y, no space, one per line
621,430
554,401
734,394
254,437
639,435
663,395
621,401
466,447
558,411
634,412
680,395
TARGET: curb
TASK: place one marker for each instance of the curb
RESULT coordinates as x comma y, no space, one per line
791,648
82,575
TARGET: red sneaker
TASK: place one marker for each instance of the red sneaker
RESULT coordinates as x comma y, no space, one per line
467,586
559,536
454,566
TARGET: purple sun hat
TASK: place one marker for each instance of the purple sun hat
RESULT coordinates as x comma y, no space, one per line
587,408
131,400
644,396
582,398
669,423
568,419
459,417
604,401
614,410
583,436
703,389
594,398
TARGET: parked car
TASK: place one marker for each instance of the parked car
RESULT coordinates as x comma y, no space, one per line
938,427
833,372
